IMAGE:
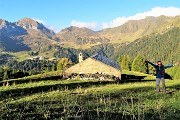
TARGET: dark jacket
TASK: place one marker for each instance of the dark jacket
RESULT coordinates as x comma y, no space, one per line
160,71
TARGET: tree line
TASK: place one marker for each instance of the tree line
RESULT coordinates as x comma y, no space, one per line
15,69
136,64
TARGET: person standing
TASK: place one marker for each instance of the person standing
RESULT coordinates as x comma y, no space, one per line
160,71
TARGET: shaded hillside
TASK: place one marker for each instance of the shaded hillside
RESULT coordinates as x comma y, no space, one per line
12,44
5,58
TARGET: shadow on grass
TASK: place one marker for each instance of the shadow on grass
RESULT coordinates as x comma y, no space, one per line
125,78
20,81
19,92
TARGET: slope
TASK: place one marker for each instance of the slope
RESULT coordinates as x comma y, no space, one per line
80,37
87,99
135,29
155,47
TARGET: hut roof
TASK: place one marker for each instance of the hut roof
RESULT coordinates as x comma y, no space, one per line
106,60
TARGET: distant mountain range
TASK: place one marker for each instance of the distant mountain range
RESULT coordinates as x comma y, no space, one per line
23,35
135,29
28,34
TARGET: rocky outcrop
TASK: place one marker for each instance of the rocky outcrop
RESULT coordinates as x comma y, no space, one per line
11,29
35,28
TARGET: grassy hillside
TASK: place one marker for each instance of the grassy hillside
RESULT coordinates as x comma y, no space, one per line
80,38
135,29
89,99
155,47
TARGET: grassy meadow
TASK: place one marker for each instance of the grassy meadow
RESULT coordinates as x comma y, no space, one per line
39,98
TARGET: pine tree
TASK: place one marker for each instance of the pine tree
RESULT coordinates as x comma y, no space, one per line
1,73
53,67
139,64
124,62
5,77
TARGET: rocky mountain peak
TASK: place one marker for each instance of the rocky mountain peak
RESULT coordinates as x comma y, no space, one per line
10,29
4,23
28,23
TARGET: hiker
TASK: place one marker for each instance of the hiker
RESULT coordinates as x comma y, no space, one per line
160,71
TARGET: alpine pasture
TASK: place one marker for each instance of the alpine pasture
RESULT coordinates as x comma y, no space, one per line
41,97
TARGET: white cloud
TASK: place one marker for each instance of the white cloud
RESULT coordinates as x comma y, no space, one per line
90,25
40,21
55,29
158,11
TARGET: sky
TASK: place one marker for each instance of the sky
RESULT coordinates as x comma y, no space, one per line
93,14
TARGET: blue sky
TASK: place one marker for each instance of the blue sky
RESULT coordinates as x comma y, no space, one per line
94,14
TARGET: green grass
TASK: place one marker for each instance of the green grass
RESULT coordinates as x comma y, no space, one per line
34,78
20,56
90,99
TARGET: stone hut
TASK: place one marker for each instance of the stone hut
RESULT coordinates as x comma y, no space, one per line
98,63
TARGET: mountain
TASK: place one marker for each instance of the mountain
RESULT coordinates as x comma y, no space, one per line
35,28
134,29
11,29
80,36
28,34
25,34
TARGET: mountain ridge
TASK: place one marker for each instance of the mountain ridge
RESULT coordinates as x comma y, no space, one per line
134,29
80,36
36,36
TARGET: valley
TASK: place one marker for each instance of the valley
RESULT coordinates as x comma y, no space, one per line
33,59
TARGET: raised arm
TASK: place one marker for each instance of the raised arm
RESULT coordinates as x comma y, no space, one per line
168,66
171,65
154,65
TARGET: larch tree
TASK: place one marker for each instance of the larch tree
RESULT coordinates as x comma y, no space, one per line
63,63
